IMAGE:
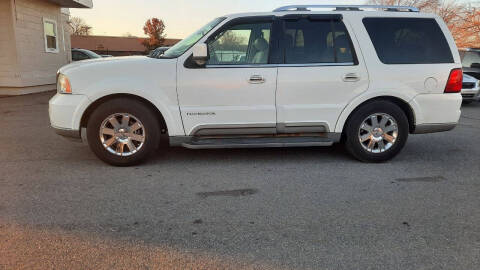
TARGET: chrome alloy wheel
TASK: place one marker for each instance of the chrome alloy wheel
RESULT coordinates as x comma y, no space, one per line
122,134
378,133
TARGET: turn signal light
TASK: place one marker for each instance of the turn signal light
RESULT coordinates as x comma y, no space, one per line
63,85
454,83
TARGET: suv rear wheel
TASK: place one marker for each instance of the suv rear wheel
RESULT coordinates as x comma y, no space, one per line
377,131
123,132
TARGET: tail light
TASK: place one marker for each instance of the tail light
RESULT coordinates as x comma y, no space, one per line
454,83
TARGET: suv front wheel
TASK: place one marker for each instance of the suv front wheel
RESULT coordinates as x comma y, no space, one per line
377,131
123,131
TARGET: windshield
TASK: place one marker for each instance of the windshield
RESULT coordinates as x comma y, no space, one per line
182,46
470,57
92,54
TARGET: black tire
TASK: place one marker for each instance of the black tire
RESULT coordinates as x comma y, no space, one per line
133,107
466,102
353,144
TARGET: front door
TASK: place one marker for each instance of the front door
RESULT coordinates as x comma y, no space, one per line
235,92
320,73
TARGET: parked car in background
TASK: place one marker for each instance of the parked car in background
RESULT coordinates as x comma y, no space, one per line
365,75
471,62
82,54
158,51
470,89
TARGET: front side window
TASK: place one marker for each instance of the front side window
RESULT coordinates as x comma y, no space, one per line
50,31
469,58
182,46
408,40
309,41
240,45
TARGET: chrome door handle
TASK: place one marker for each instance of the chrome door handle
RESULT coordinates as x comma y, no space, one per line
351,77
256,79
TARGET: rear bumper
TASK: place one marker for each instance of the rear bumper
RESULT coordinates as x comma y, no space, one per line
436,112
432,128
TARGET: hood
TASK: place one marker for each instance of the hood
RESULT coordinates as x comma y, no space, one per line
103,61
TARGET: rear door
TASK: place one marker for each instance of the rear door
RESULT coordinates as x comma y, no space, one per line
320,74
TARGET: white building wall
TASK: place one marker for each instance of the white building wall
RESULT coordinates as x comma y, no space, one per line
35,68
8,53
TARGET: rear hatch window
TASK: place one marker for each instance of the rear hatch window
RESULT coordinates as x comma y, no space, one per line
408,41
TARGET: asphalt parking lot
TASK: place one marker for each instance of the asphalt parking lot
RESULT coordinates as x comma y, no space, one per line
292,208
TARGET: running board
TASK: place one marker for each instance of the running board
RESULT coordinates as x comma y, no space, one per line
256,142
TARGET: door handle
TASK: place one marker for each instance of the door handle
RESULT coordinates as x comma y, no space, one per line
256,79
351,77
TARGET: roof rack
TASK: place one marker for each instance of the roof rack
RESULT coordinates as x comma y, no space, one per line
346,7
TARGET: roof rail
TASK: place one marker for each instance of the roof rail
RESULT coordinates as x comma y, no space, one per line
347,7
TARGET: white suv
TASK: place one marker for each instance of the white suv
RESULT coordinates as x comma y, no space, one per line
297,76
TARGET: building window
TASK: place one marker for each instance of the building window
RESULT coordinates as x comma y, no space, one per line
51,36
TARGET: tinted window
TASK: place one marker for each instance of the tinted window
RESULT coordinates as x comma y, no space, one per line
469,58
77,56
408,40
241,44
316,41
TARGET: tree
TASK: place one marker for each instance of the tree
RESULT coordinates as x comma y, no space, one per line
462,18
154,29
79,26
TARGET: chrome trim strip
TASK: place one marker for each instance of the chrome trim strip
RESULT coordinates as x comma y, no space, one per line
281,65
233,129
303,127
259,129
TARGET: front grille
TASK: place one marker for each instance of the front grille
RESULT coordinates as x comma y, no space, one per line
468,95
468,85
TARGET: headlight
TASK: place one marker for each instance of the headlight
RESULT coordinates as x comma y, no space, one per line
63,85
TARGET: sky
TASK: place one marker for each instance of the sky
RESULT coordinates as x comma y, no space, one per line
181,17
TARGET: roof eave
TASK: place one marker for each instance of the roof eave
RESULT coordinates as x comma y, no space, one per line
73,3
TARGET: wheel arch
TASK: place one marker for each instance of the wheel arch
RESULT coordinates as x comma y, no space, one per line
91,108
404,105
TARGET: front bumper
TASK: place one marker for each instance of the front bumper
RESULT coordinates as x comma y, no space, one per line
470,94
70,133
66,112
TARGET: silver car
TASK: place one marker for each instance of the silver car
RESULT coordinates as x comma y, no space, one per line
470,89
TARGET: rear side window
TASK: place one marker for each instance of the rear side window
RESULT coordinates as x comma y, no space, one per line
408,40
307,41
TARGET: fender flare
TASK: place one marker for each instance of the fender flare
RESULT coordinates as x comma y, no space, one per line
368,96
142,95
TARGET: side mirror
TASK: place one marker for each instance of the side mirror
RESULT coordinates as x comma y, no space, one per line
475,65
200,54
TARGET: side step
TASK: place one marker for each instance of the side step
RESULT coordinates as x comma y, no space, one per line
256,142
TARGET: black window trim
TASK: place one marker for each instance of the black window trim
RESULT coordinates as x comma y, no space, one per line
276,56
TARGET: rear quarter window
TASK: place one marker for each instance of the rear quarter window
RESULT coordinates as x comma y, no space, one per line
408,41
